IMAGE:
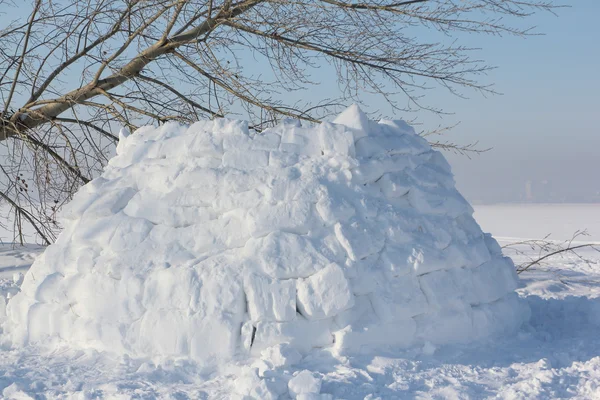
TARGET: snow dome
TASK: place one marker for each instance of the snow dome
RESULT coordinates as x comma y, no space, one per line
212,242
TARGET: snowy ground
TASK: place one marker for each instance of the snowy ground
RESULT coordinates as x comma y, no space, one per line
538,220
556,356
14,263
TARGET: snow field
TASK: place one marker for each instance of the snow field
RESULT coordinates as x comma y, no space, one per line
555,355
210,242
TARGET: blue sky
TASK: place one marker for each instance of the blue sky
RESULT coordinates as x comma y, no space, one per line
544,128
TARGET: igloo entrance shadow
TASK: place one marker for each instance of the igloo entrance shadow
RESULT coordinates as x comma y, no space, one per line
199,241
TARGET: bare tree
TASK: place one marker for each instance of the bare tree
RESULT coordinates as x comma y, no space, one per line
71,70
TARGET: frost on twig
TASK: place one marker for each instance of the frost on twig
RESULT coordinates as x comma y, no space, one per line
538,252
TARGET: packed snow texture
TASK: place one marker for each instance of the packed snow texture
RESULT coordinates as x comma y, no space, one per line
212,242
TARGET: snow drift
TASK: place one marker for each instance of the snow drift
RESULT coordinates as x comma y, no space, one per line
210,242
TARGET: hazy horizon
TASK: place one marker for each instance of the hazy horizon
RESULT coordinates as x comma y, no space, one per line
544,129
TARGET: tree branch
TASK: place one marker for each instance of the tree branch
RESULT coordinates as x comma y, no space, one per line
21,122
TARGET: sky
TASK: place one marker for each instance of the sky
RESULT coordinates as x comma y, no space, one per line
544,130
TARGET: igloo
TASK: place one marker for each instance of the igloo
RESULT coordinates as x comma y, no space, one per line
212,242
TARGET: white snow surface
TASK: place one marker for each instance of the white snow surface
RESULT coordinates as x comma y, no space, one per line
555,355
212,244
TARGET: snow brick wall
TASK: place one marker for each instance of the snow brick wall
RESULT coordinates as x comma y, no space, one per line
211,242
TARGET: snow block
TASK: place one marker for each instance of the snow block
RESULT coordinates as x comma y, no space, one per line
448,325
440,289
398,299
300,333
396,261
428,201
270,300
373,146
109,203
361,314
325,293
493,280
358,239
304,382
492,245
500,317
300,141
364,275
314,396
281,355
333,209
246,159
285,216
251,386
291,185
285,255
355,120
399,334
402,127
425,260
150,207
394,185
336,140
